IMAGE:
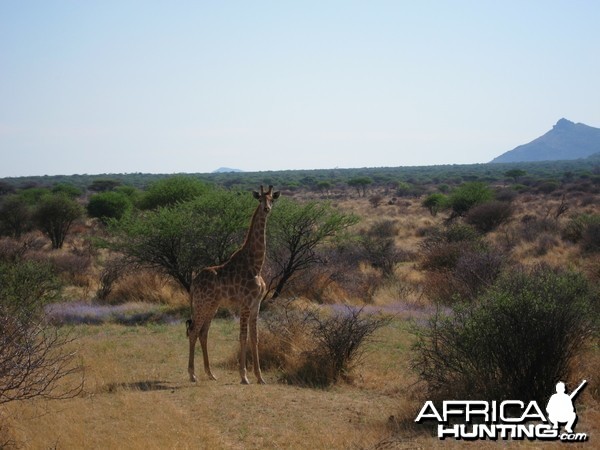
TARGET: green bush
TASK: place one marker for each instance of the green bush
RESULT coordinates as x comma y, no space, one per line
172,190
591,238
516,341
442,248
33,195
15,216
585,230
473,272
108,205
378,245
66,189
25,287
467,195
459,264
434,203
547,187
54,215
488,216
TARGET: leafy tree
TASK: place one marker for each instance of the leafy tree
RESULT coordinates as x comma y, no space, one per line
434,203
15,216
296,231
33,195
468,195
515,174
54,215
324,186
403,188
67,189
128,191
172,190
361,184
182,238
108,205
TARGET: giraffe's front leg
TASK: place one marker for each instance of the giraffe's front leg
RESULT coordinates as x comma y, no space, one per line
243,345
254,347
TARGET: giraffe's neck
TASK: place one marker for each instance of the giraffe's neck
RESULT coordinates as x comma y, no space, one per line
252,252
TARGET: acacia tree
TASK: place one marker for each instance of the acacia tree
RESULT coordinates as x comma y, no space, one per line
180,239
434,202
515,174
296,231
361,184
54,215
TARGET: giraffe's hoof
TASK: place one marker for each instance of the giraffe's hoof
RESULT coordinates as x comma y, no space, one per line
193,378
212,377
244,381
261,381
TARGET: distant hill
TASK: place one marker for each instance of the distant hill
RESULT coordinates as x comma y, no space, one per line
226,170
566,140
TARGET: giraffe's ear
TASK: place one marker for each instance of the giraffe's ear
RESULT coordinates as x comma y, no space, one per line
256,195
276,195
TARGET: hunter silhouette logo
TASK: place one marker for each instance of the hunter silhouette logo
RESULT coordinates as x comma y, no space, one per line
560,407
508,419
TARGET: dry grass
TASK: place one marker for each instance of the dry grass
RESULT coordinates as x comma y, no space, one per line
147,286
137,396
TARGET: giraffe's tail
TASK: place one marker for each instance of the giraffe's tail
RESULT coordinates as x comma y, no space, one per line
189,325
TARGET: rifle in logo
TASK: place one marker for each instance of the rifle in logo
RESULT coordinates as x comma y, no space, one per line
560,407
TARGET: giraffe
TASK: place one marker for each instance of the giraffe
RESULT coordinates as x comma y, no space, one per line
237,284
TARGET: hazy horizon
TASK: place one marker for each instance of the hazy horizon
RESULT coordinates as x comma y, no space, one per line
128,87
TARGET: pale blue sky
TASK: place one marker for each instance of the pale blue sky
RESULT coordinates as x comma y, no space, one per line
189,86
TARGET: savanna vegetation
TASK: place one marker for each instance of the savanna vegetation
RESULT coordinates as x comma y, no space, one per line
386,287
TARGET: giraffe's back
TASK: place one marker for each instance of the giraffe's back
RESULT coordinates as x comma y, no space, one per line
227,285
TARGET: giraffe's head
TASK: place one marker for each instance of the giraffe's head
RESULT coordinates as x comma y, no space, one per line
266,198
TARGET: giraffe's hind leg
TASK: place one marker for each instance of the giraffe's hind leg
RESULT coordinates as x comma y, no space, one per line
192,333
204,344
